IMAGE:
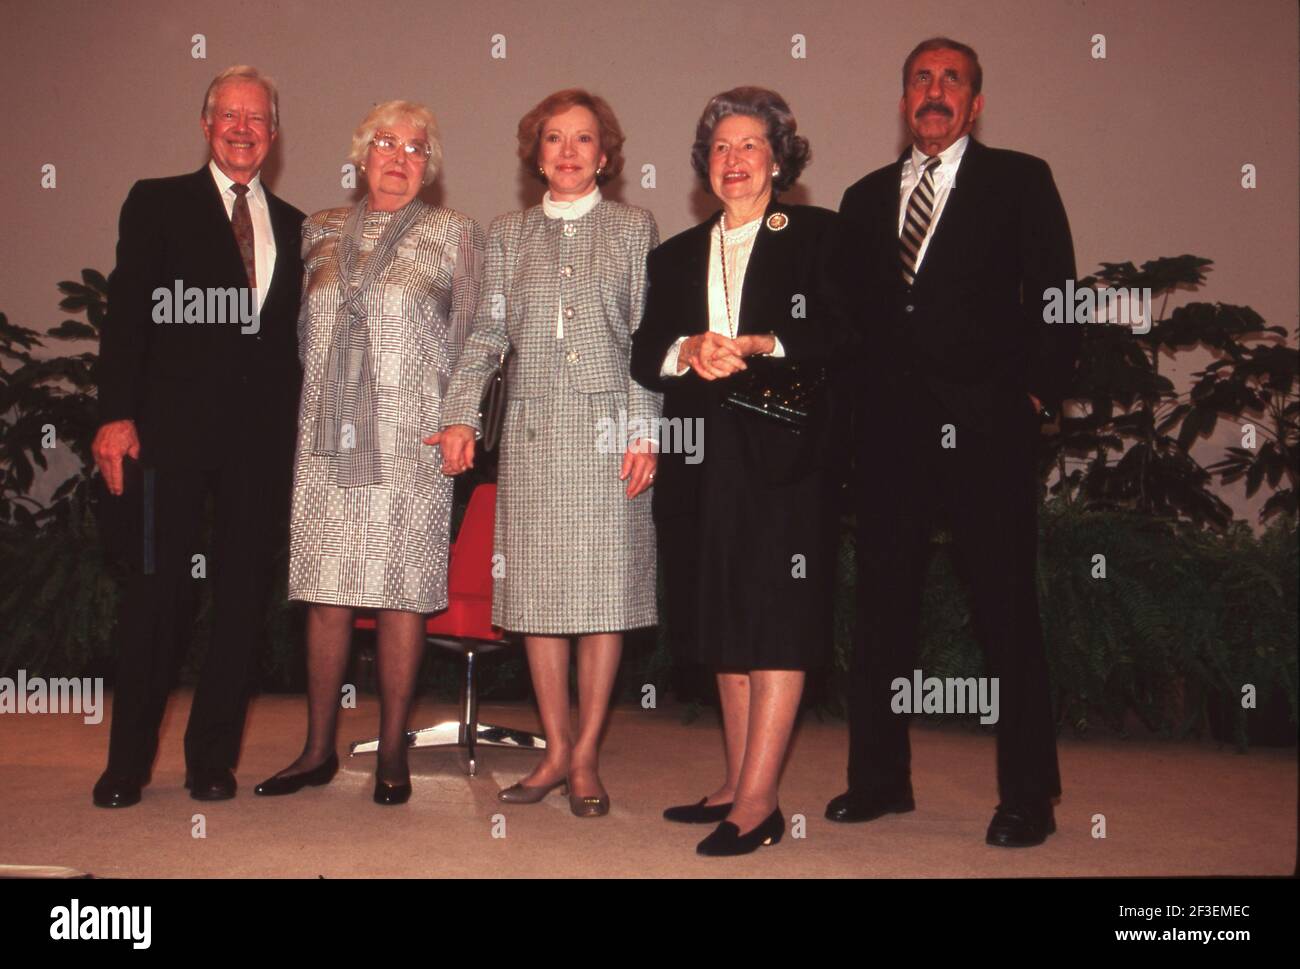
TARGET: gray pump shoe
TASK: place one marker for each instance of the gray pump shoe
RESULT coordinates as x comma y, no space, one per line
519,794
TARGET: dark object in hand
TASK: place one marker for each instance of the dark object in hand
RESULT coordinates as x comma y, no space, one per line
788,393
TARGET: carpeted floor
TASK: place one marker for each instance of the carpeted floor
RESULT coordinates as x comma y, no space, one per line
1169,809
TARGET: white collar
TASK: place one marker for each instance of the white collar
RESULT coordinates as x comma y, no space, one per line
948,158
741,232
570,210
224,181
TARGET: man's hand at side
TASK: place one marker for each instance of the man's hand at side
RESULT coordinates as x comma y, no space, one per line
113,441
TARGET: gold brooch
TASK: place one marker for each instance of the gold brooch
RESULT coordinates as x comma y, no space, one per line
777,221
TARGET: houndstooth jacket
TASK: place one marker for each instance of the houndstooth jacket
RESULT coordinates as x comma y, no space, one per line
588,274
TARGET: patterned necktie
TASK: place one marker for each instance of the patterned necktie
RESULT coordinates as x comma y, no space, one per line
242,222
920,210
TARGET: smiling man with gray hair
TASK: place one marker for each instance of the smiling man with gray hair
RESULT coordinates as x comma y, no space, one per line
194,405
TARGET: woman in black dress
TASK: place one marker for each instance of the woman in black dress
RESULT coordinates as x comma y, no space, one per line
742,500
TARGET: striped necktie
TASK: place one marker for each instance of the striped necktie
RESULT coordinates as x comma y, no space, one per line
242,222
920,210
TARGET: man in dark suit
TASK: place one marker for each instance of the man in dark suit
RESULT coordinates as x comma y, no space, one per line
198,382
953,246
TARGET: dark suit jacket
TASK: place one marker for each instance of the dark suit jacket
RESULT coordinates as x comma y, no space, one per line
200,393
970,329
786,262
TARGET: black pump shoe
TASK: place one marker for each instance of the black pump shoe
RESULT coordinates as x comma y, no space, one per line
293,783
700,813
727,840
386,793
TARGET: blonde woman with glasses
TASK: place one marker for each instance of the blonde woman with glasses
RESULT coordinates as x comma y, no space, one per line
389,294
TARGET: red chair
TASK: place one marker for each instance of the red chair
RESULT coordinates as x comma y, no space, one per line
465,626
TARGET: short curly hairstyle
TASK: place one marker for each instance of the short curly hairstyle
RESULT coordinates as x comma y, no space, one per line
790,151
611,133
394,113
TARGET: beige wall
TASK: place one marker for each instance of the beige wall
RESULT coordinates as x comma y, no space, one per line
1146,145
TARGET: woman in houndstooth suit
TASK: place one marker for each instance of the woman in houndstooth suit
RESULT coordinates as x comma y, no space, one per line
388,299
563,292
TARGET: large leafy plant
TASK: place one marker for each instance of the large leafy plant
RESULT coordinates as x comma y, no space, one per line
1131,445
57,598
47,403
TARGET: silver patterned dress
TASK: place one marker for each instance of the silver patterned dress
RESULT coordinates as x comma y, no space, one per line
383,545
577,556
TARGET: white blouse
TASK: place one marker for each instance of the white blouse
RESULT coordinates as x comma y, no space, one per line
738,244
568,211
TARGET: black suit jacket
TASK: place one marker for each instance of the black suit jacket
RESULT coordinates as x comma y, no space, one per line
201,394
970,329
786,262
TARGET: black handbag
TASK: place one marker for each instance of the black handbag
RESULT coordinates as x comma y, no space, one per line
492,409
788,393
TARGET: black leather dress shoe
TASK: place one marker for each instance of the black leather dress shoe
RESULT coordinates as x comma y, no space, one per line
1021,825
700,813
727,840
293,783
852,806
212,784
386,793
116,790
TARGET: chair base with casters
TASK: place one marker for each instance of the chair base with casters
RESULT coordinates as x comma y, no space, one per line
466,732
465,626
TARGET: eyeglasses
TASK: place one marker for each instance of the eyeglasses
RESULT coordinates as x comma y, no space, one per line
387,144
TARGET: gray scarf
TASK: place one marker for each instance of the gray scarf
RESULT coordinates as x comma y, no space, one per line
347,399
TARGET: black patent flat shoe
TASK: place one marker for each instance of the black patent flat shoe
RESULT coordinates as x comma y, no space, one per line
727,840
701,813
293,783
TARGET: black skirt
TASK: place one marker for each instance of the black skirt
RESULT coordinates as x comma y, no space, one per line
748,575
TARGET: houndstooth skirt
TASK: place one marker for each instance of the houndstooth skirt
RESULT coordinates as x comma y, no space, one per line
577,556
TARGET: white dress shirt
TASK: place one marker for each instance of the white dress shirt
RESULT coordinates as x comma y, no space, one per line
738,244
568,211
944,176
263,237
